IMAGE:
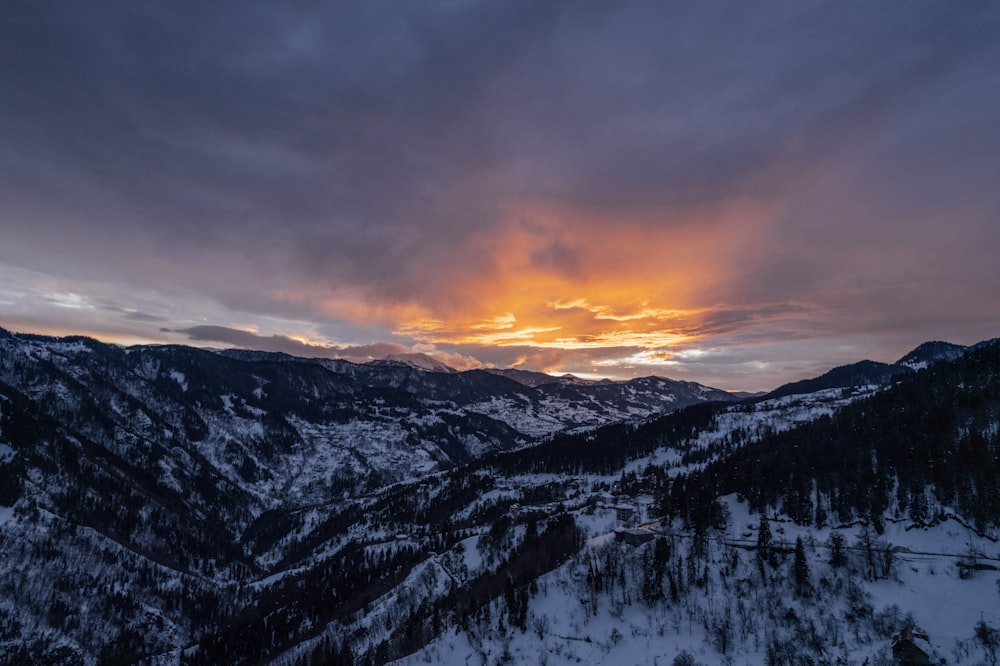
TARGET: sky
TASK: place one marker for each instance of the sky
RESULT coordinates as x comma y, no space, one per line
739,194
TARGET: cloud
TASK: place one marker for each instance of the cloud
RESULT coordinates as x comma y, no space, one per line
307,349
443,173
288,345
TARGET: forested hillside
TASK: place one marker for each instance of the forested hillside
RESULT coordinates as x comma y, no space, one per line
926,445
165,506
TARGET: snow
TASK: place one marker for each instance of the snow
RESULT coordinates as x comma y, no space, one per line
486,499
946,606
599,541
320,468
181,380
566,625
472,557
548,414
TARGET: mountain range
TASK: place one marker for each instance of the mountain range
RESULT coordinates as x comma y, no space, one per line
167,504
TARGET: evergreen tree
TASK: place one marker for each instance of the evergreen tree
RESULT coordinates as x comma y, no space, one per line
800,568
866,542
764,543
838,557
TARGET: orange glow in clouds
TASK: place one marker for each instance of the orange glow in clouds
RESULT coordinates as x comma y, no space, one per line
600,289
574,280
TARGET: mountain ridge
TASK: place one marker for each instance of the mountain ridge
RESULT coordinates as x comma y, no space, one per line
874,372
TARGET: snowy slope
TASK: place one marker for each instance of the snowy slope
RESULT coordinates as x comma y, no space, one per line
732,614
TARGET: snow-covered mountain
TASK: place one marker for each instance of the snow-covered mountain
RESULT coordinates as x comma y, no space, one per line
868,372
172,505
930,353
418,361
281,427
530,378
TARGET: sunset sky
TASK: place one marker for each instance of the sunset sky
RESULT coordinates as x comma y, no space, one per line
736,193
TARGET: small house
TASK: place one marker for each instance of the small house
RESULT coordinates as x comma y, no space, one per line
624,513
634,536
911,648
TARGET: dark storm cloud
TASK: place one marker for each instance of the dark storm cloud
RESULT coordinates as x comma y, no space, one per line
356,135
142,317
284,344
335,142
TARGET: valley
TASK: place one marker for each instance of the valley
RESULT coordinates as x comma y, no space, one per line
169,505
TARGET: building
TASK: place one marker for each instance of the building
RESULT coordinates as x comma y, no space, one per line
634,536
624,513
911,648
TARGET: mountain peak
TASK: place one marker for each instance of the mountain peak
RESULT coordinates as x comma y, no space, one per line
419,361
855,374
931,352
535,379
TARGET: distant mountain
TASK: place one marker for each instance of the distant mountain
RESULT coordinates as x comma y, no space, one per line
418,361
867,372
256,416
537,410
930,353
985,343
536,379
747,395
856,374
